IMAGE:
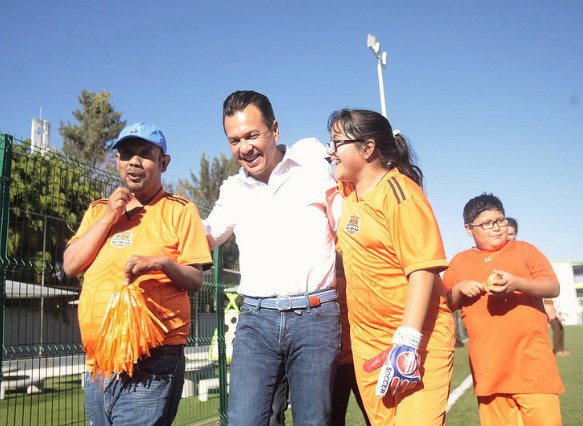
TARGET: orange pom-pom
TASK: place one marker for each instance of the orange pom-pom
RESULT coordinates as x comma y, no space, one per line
128,332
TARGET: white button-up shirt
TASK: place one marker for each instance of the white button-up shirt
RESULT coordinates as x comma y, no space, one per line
284,229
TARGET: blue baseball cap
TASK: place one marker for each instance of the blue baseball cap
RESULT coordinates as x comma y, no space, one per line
148,132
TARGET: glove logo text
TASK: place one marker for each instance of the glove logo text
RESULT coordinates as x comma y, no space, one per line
388,373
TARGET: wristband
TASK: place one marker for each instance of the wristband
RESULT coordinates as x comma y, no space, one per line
407,336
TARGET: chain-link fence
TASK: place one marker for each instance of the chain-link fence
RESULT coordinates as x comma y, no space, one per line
43,196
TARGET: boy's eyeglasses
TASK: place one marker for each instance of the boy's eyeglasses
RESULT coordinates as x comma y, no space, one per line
490,224
334,144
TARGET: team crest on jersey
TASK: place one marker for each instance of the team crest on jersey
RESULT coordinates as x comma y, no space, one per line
352,225
122,239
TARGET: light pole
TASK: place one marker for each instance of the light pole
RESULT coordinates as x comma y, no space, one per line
375,48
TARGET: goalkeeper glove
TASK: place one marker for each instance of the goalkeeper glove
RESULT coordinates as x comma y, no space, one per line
399,364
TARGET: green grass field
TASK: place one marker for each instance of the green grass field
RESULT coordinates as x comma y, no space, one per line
58,405
465,411
64,398
62,403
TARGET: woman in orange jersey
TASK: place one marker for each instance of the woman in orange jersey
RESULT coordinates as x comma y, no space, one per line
401,327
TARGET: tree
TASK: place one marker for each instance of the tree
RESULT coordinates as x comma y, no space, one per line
48,197
221,171
99,125
204,189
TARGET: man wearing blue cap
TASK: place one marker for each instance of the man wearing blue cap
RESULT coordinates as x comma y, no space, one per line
144,236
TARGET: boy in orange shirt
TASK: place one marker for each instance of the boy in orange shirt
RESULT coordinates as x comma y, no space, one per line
500,285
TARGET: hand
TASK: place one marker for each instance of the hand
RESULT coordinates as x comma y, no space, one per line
470,288
140,265
116,205
399,364
506,283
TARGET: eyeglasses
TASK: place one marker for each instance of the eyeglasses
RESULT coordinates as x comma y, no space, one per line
490,224
334,144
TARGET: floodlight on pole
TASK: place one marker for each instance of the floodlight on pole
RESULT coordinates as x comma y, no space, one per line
375,48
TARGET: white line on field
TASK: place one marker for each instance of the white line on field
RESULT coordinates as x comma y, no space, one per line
458,392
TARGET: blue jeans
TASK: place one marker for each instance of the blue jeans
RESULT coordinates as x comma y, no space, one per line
149,397
279,404
304,344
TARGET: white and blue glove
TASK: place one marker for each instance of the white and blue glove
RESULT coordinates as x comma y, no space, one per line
399,364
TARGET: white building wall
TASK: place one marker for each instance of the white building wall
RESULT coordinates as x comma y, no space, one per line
567,302
40,135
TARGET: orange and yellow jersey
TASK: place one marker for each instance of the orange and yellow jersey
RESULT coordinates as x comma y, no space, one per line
169,225
384,236
509,346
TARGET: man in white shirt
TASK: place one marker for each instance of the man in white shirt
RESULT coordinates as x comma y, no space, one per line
280,209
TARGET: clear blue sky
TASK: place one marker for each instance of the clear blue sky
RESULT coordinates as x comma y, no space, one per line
490,94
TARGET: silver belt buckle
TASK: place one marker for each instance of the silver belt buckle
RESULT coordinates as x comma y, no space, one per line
283,308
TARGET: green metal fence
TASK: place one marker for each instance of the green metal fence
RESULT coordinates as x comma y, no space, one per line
43,196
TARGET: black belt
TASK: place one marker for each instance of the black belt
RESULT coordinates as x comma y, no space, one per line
166,350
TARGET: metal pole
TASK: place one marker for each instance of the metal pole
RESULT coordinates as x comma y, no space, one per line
6,142
42,287
381,86
220,300
375,48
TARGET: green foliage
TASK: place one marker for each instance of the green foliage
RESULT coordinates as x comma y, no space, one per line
99,125
204,189
187,188
204,193
48,197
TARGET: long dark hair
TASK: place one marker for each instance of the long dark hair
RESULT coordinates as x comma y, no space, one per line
393,150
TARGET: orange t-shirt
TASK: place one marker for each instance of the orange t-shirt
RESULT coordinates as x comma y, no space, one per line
168,226
509,347
383,237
